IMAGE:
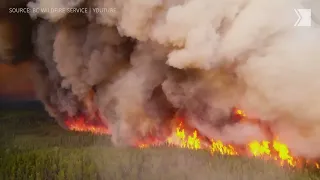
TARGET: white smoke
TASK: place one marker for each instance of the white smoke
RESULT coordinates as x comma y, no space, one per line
248,54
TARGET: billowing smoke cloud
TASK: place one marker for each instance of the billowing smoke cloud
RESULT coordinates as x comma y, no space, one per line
134,103
148,60
59,101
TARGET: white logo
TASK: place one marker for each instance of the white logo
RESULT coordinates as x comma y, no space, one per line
304,17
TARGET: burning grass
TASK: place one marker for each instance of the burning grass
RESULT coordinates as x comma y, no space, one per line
36,148
185,137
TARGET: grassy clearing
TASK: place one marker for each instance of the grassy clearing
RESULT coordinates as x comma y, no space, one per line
33,147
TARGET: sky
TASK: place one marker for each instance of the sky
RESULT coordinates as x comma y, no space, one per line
15,82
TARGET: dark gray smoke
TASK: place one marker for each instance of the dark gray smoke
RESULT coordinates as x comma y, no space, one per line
60,102
87,53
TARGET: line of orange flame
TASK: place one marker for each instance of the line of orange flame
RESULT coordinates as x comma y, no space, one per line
270,150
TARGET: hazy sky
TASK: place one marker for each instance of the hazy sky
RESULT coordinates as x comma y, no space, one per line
15,82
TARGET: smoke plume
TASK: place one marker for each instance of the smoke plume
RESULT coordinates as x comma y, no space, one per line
148,61
59,101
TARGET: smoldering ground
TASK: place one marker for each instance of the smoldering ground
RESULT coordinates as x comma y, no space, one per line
148,60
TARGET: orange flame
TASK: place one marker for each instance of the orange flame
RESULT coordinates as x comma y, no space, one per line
269,150
79,124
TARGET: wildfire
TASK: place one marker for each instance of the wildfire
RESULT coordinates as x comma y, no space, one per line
79,124
269,150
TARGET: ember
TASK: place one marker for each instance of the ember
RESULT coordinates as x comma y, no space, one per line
268,150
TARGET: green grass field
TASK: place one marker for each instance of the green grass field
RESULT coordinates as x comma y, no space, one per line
33,147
